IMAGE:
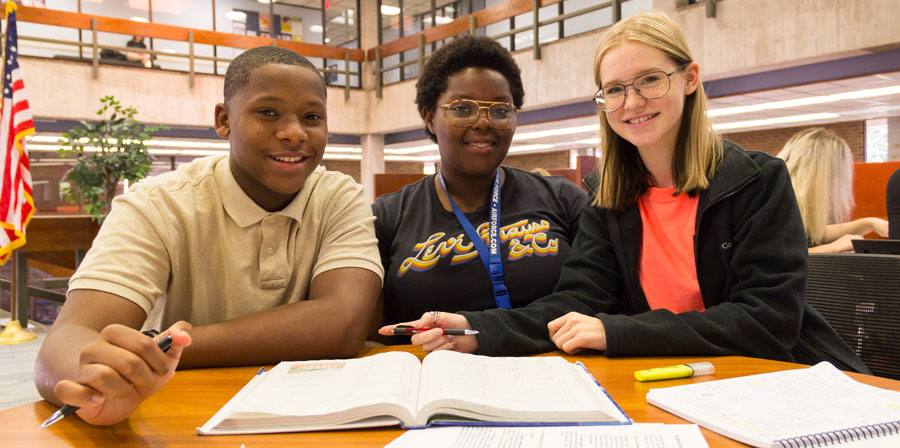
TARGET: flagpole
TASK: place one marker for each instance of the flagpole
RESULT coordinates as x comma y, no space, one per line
14,333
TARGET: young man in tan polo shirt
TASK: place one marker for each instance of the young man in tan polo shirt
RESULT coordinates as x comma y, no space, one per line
253,258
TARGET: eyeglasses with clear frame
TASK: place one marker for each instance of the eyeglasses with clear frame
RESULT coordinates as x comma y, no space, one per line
464,113
651,85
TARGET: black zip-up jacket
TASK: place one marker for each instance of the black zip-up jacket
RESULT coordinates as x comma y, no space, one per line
751,260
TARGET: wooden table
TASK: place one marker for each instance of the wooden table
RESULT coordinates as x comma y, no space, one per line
170,417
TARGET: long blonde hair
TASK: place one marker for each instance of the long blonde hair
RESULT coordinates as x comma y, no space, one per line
698,149
821,167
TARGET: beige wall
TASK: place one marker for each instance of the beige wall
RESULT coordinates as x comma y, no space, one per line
746,36
749,36
65,90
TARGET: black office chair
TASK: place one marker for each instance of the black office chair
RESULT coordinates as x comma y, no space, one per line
859,295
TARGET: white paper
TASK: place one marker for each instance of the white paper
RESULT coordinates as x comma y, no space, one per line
762,409
629,436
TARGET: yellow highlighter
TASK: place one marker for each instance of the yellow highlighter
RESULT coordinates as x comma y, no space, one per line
677,371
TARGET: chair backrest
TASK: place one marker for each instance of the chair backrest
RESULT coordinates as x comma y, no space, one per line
859,295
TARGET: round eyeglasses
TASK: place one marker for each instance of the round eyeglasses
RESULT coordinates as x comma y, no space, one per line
649,85
464,113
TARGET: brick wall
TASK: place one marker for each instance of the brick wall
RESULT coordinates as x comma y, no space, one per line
545,160
772,140
348,167
403,167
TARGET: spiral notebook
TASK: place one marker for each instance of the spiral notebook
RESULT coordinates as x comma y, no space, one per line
812,407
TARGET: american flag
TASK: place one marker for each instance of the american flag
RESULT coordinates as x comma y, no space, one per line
16,202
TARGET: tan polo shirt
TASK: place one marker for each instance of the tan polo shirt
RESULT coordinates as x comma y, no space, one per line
191,245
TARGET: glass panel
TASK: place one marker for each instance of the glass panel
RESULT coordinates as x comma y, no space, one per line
499,27
48,50
293,23
877,140
136,10
633,7
586,22
340,31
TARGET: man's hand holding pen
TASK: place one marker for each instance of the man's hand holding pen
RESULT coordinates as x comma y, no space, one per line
437,330
119,370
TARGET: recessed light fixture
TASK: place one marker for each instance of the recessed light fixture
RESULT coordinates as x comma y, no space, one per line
524,148
316,28
236,16
854,95
433,158
139,19
554,132
390,10
341,157
771,121
411,150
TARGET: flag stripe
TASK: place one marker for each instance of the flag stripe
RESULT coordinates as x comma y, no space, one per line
16,200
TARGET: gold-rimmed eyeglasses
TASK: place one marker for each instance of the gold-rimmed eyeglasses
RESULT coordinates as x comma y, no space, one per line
649,85
464,113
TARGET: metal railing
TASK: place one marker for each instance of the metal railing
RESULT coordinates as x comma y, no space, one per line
193,37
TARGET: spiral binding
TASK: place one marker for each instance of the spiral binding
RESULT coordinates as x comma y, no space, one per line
841,436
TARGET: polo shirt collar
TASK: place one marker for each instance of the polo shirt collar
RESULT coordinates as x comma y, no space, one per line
244,211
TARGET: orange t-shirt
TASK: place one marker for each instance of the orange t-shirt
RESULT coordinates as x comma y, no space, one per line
668,273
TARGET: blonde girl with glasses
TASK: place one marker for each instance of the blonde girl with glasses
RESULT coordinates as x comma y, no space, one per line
691,246
435,236
821,167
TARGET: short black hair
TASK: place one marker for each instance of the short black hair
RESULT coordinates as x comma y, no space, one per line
238,74
463,52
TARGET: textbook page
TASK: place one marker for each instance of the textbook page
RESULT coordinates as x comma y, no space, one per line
340,390
631,436
762,409
514,389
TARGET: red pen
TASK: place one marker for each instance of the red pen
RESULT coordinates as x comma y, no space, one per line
406,330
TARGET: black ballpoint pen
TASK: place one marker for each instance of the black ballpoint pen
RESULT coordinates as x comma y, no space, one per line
164,344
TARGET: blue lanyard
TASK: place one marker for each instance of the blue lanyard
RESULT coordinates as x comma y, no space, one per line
491,259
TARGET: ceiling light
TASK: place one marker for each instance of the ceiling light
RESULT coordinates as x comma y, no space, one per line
440,20
553,132
771,121
316,28
186,152
187,144
390,10
350,149
433,158
236,16
523,148
342,157
342,20
139,19
854,95
411,150
589,141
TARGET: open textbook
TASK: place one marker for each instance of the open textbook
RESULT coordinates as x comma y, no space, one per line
395,388
812,407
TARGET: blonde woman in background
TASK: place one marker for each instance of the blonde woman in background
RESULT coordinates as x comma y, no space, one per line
821,167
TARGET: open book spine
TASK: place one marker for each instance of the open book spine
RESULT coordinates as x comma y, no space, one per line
841,436
628,419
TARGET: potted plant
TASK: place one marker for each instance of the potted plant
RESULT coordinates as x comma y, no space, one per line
107,151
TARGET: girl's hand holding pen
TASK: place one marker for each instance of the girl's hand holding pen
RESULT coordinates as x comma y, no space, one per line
119,370
435,338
